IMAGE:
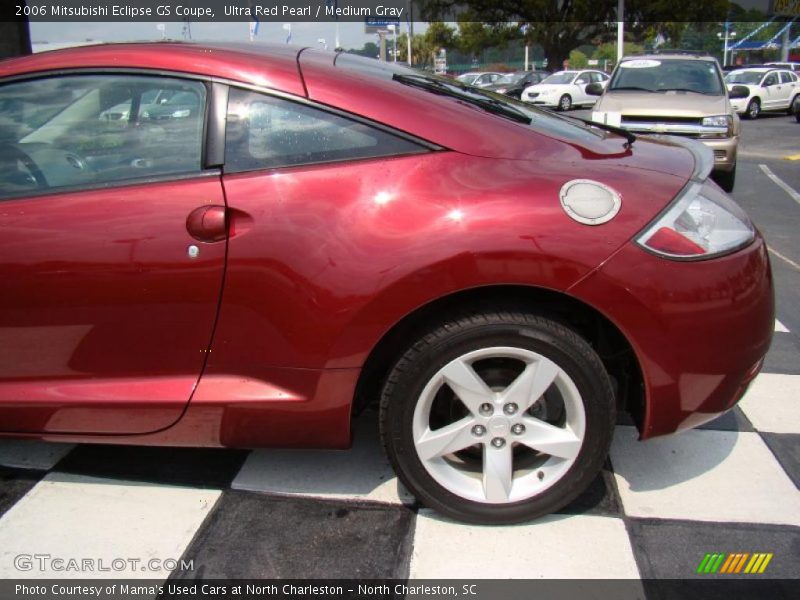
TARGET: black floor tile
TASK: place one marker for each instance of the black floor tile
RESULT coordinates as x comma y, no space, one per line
14,484
786,448
784,355
600,498
205,467
675,549
258,536
733,420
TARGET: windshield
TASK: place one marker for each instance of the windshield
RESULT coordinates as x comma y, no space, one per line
663,75
746,77
562,77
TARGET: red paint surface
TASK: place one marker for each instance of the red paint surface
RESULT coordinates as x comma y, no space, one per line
106,324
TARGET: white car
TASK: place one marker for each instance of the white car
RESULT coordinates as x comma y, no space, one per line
770,89
479,79
565,89
789,66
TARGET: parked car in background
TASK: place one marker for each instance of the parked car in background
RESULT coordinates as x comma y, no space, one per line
480,80
791,66
512,84
677,94
314,232
769,89
565,89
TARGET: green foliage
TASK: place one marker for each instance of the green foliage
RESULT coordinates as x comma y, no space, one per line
578,60
608,51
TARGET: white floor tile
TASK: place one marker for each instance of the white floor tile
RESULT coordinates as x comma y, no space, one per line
773,403
76,517
25,454
780,327
361,473
557,547
703,475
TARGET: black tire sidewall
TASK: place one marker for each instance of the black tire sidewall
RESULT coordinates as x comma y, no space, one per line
547,339
753,102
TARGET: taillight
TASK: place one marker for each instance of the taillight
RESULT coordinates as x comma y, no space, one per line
703,222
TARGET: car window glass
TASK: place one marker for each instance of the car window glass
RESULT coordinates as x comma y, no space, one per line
745,77
267,132
786,77
81,130
770,79
665,74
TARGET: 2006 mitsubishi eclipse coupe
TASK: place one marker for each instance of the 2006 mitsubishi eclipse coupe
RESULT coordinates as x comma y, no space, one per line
243,246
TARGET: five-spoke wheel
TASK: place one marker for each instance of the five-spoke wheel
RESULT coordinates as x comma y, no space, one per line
498,417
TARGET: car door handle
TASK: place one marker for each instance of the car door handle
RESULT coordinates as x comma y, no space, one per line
207,223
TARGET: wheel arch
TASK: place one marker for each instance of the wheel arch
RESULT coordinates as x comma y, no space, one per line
604,336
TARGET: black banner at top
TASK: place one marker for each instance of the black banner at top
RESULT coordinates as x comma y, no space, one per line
393,11
389,11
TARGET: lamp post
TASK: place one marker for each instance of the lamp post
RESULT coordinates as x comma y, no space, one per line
726,36
393,28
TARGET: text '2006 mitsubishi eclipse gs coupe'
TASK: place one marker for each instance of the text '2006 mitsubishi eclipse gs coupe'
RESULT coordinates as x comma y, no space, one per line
244,246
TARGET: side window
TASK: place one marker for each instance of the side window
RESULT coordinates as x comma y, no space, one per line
79,130
582,78
265,132
771,79
786,77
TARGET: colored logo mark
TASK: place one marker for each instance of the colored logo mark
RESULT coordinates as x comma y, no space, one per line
735,562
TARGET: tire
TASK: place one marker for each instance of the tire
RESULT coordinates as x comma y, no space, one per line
725,179
794,105
565,102
576,413
753,109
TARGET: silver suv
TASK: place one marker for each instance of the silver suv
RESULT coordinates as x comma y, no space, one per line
675,94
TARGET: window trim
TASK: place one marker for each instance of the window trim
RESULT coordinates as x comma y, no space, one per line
215,121
205,170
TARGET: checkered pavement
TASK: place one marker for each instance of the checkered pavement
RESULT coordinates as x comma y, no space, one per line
656,509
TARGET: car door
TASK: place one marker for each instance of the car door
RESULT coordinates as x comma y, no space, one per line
579,86
770,95
787,89
113,252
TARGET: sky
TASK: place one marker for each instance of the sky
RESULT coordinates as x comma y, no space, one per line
351,34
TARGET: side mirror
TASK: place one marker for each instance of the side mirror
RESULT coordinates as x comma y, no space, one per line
739,91
594,89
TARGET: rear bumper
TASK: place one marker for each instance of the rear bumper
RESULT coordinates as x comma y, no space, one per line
700,330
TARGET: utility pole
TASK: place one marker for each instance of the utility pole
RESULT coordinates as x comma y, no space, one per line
620,29
410,6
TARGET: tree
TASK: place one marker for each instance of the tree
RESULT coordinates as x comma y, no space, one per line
370,50
562,25
578,60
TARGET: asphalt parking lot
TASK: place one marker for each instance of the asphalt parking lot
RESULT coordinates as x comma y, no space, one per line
654,512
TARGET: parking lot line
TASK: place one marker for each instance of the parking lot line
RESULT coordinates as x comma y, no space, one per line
785,258
794,194
780,327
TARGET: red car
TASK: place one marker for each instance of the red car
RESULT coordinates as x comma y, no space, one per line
243,246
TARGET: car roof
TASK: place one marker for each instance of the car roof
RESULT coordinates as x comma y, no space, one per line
243,62
670,56
759,69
